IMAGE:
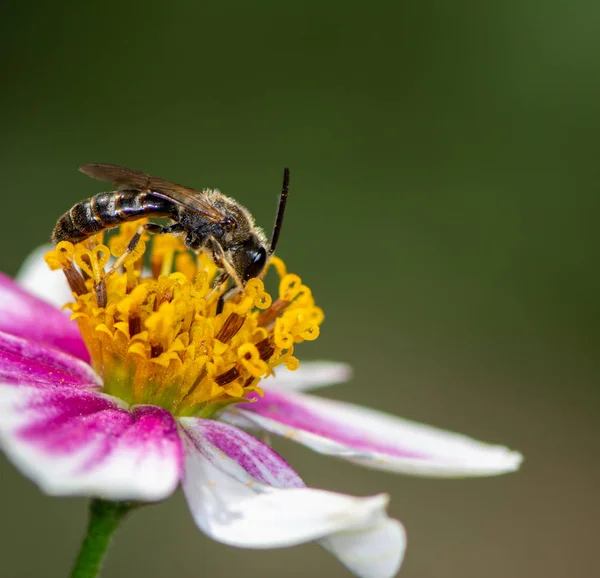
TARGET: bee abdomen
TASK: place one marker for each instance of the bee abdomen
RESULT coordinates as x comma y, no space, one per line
107,210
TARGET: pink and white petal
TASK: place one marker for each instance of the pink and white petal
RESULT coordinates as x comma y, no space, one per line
37,278
258,462
374,439
373,551
25,315
310,375
78,442
241,493
27,362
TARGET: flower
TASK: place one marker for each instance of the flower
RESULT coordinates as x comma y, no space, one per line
152,387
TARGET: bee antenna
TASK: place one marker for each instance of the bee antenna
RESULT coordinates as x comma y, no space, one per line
280,210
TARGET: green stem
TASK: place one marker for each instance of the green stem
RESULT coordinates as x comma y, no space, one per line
104,520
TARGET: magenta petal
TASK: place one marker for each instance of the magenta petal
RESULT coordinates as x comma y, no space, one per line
257,459
74,442
26,362
297,411
373,438
26,316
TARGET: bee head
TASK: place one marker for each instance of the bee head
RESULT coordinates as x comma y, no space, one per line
257,261
249,258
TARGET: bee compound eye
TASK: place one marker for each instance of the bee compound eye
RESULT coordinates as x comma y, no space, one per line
257,264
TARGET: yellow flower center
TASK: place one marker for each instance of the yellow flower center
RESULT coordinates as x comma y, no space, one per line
156,337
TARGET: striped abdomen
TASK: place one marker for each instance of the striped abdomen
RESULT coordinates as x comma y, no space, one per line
107,210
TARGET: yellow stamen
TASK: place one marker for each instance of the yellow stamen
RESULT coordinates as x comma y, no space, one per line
157,338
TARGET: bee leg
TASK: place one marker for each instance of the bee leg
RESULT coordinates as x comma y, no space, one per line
222,278
221,259
231,292
219,282
175,229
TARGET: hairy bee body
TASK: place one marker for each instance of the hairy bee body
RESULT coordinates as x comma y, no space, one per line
208,220
106,210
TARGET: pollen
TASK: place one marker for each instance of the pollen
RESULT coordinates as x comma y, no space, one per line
161,330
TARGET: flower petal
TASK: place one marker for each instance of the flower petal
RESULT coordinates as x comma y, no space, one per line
374,551
374,439
35,276
258,461
27,362
27,316
241,493
310,375
78,442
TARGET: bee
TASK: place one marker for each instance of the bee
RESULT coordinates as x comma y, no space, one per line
208,220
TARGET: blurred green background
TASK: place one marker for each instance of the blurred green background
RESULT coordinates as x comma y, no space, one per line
444,210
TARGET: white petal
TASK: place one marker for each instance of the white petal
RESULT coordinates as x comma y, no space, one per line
309,375
374,551
374,439
72,441
237,508
35,276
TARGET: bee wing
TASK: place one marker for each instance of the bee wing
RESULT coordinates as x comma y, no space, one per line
131,179
117,175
